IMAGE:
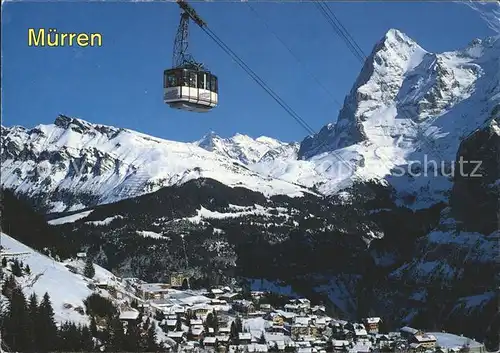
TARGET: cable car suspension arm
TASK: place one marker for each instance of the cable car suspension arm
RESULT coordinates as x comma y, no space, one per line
181,56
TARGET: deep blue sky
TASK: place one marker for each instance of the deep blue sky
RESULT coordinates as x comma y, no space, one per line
120,83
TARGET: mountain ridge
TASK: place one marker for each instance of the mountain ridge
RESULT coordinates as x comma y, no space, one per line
406,104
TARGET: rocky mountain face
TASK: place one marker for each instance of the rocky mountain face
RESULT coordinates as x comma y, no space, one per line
374,214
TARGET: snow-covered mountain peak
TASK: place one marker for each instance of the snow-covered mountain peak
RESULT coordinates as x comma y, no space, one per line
408,103
378,84
242,148
80,126
208,141
397,40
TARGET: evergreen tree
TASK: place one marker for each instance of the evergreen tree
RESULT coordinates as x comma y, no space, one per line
87,342
4,262
383,326
329,346
132,338
93,327
16,325
151,345
233,334
117,335
239,326
215,322
134,304
178,324
69,338
209,320
185,284
46,326
89,270
8,286
159,316
16,269
262,339
31,339
274,348
28,269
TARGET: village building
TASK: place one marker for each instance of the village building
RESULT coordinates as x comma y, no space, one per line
177,279
281,317
229,297
153,290
222,339
267,308
210,341
177,336
424,340
171,324
130,315
360,331
244,306
372,324
340,345
245,337
407,332
197,332
225,330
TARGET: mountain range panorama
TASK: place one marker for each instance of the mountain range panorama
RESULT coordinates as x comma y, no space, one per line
327,216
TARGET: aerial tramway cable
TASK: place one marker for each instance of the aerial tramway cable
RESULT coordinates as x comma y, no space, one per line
257,79
262,19
341,31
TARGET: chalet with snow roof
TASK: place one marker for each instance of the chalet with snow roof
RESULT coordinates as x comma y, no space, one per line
153,290
372,324
424,340
408,332
243,306
129,315
209,342
267,308
197,332
245,337
229,297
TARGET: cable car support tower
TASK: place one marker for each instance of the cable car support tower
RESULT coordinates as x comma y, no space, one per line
181,56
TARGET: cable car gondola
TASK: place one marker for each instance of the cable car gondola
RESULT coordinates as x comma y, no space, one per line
188,85
190,89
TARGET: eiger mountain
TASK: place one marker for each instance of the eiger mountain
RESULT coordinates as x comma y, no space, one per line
342,216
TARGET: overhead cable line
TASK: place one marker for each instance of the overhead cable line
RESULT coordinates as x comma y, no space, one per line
257,79
341,31
346,32
262,19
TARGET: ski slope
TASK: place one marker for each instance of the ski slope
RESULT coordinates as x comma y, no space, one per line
48,275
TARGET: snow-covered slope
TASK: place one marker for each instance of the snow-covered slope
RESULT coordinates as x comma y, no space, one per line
72,164
407,105
48,275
